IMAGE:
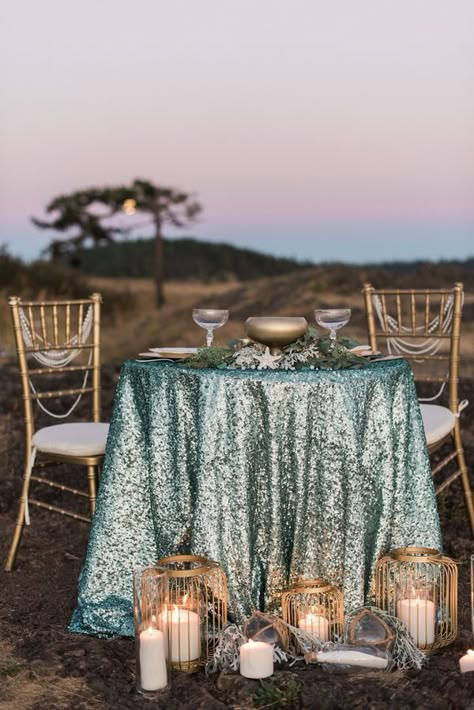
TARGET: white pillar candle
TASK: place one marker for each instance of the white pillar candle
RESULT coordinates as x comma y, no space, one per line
256,659
466,663
418,615
153,674
352,658
185,636
316,625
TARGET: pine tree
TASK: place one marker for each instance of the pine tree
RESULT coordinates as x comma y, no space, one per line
86,217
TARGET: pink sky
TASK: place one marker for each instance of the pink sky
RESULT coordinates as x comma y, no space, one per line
292,120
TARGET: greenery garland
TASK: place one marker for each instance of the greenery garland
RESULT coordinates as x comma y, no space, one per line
308,352
212,357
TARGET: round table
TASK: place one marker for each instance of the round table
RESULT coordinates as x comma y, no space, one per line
275,475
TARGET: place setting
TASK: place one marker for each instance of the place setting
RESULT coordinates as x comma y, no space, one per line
207,318
272,342
170,354
279,336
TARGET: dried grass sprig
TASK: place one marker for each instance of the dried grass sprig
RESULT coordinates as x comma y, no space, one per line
298,645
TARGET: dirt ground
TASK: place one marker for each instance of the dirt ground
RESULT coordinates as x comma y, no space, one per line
43,667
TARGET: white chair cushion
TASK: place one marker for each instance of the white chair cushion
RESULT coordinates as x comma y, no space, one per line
78,439
438,422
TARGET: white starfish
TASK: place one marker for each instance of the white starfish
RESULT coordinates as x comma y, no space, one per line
267,361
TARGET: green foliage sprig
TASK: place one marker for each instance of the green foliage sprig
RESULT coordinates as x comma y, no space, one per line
278,693
308,352
320,353
213,357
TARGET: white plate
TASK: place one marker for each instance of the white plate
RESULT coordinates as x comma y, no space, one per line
177,351
360,347
388,357
173,353
364,351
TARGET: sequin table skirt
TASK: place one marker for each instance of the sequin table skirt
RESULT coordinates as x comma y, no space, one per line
275,475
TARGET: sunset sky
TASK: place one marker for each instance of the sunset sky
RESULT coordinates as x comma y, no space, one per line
319,129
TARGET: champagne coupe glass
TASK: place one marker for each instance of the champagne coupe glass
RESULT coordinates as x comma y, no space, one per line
332,319
210,319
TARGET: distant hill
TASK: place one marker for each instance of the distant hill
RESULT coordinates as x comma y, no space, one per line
184,259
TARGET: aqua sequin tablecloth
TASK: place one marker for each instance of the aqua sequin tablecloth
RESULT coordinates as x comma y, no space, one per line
275,475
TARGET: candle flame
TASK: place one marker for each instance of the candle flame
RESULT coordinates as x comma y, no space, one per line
150,630
129,206
471,652
185,599
153,618
251,642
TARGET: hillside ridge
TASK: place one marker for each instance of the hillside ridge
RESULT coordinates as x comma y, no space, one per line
184,258
188,258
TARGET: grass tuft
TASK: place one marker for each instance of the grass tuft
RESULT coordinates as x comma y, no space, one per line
25,687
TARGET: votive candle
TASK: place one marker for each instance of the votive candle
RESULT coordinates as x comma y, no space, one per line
466,663
256,659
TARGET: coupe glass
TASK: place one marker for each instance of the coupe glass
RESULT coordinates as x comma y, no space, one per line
210,319
332,319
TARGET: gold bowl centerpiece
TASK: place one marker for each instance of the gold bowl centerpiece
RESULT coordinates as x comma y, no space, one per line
275,331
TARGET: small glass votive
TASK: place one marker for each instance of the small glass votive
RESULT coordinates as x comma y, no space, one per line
150,590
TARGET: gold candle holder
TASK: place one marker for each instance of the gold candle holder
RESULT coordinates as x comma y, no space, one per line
420,586
314,606
196,609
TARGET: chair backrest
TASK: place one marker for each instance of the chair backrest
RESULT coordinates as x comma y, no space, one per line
53,338
419,325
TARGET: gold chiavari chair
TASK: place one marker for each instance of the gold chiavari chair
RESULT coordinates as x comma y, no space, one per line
424,326
54,339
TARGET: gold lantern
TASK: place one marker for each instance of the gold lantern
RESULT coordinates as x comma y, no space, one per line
196,609
315,606
420,587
